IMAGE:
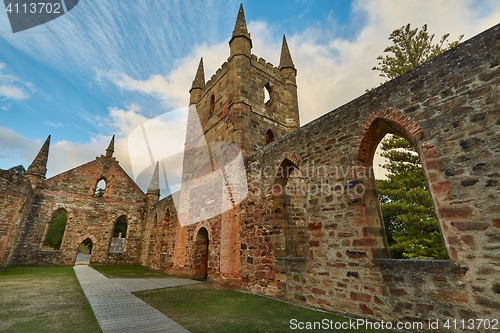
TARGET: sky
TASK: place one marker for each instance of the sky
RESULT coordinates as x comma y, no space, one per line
108,66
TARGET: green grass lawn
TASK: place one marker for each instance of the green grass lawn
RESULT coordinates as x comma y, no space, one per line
128,272
44,299
205,309
50,299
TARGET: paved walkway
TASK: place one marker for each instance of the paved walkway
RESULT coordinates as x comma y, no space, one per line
117,310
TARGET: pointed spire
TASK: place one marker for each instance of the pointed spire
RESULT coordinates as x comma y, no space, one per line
199,79
155,179
198,84
38,169
154,187
111,148
286,58
240,27
240,43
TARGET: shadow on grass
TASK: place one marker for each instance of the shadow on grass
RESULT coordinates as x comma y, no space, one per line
44,299
205,309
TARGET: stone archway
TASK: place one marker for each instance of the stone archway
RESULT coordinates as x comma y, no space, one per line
373,130
200,260
84,252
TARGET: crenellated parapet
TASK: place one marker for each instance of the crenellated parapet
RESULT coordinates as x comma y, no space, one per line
220,72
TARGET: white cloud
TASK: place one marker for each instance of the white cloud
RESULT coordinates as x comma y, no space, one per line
15,149
51,124
11,87
138,38
123,121
172,89
11,92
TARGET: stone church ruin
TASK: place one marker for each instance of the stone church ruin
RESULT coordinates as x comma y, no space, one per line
324,249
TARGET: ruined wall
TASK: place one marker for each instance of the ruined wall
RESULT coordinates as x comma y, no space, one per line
449,109
322,243
88,216
310,230
15,200
169,247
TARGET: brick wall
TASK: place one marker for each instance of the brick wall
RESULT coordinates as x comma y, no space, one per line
324,245
15,200
449,108
88,216
310,230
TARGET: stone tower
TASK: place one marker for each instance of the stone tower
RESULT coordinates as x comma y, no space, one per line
248,101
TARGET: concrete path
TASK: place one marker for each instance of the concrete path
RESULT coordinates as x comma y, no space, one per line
117,310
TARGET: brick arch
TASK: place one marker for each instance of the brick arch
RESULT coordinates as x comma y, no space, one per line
376,126
269,136
289,156
373,130
82,238
57,210
203,225
270,91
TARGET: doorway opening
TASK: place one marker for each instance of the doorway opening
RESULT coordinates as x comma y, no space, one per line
200,262
84,252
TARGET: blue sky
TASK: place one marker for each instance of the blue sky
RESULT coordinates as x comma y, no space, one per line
107,66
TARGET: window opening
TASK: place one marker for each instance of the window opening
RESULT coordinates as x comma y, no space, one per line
269,137
409,218
100,189
55,233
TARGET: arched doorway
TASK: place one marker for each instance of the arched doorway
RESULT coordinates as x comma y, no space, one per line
200,262
84,252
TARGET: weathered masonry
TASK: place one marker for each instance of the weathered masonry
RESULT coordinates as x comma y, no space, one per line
31,205
310,228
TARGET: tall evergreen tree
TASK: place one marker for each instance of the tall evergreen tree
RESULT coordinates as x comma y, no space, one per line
411,225
410,49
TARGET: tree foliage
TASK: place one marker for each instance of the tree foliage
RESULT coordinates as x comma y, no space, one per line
99,193
411,48
56,231
18,169
411,225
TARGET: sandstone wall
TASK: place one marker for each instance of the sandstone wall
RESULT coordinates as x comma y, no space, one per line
15,200
88,216
449,109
